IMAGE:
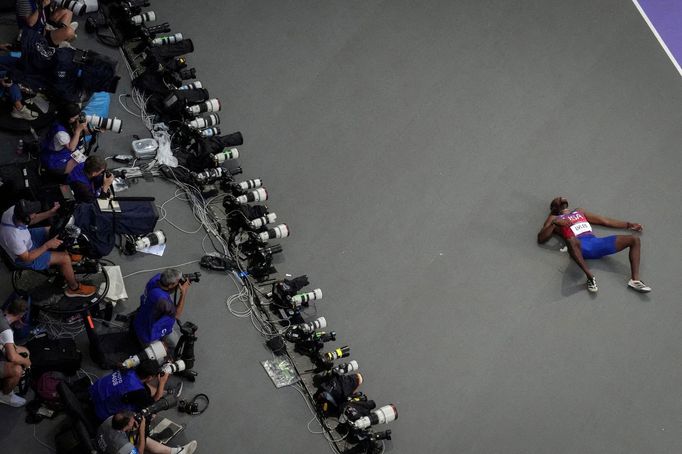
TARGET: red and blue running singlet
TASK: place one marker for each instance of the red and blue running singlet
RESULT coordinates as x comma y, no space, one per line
579,225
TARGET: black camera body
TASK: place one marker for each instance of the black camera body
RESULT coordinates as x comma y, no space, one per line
194,406
313,343
191,277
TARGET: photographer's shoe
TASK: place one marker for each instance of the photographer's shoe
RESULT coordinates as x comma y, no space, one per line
24,114
174,389
639,286
82,291
13,400
189,448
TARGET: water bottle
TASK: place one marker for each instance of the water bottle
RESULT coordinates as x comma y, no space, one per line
20,147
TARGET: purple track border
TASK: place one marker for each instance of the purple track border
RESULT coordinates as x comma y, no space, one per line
664,17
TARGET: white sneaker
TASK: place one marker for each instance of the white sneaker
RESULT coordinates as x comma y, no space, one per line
12,400
592,285
189,448
24,113
639,286
74,25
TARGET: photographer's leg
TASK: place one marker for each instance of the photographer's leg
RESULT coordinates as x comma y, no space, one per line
155,447
63,260
20,110
63,16
11,375
171,341
62,34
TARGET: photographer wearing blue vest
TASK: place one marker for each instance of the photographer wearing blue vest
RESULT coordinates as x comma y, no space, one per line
155,319
90,180
64,137
128,390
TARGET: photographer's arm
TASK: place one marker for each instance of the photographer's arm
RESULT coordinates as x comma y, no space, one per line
40,217
184,287
106,185
13,356
76,137
160,390
141,435
33,254
32,18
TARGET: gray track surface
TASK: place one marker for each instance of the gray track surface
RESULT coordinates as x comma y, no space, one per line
413,149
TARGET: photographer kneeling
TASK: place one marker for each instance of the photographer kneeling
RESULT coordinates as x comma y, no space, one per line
90,180
156,316
128,390
115,433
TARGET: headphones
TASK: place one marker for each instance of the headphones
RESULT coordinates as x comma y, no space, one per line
23,214
194,407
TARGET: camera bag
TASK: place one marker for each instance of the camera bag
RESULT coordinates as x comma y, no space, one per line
60,355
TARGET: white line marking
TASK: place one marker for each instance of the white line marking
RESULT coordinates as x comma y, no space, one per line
658,37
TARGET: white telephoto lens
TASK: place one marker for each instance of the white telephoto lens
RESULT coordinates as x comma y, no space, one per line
259,195
192,86
226,154
263,220
279,231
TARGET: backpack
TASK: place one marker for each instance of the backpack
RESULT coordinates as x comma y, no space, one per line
46,389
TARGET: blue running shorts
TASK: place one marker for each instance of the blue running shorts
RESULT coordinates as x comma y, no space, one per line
595,248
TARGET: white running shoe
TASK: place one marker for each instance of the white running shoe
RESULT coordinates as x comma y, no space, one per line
639,286
12,400
25,113
592,285
189,448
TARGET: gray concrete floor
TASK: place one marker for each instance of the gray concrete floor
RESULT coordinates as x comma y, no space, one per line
413,148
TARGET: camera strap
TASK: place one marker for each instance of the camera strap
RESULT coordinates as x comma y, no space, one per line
193,407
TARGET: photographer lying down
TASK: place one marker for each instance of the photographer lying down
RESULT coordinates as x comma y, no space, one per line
116,432
13,359
30,247
155,319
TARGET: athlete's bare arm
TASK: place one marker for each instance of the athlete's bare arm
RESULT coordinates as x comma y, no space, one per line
596,219
547,230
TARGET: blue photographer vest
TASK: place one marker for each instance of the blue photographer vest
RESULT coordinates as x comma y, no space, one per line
78,175
107,393
149,330
51,158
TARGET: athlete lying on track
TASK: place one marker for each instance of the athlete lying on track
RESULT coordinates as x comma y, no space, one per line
574,227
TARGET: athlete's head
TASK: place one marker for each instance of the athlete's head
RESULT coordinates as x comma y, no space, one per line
558,205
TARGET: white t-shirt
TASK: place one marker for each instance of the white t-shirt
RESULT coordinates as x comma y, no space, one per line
14,239
6,334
